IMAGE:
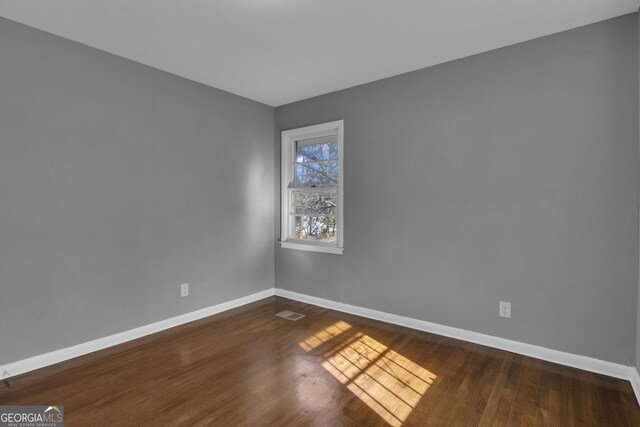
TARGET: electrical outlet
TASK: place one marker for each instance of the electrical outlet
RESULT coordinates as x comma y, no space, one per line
505,309
184,290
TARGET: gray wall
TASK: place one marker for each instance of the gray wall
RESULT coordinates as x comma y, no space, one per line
638,308
510,175
118,182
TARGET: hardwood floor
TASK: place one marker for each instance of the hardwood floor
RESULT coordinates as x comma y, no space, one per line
247,367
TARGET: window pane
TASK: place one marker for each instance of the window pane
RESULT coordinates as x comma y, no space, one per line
316,204
317,174
317,149
319,228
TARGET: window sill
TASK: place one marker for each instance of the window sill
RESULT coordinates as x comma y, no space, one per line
312,247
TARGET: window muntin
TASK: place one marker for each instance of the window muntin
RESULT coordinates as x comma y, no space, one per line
312,188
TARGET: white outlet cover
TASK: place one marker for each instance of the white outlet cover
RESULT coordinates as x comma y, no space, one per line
505,309
184,290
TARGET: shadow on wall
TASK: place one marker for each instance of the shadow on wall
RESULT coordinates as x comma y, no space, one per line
258,201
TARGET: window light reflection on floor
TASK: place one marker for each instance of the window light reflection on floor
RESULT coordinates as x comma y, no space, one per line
386,381
324,335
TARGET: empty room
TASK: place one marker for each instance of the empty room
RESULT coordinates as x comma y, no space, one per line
319,213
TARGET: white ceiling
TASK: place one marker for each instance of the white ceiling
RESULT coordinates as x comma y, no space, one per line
280,51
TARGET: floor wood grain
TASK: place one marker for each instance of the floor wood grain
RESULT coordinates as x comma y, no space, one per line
247,367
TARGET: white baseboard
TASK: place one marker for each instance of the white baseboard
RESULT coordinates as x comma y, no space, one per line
635,383
576,361
628,373
42,360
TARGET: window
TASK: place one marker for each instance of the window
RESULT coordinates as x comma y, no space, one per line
312,188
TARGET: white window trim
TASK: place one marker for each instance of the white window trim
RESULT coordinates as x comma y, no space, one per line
286,167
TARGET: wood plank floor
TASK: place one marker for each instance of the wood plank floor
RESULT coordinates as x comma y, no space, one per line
246,367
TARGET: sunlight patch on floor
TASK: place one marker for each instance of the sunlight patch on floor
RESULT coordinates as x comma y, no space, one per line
386,381
324,335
